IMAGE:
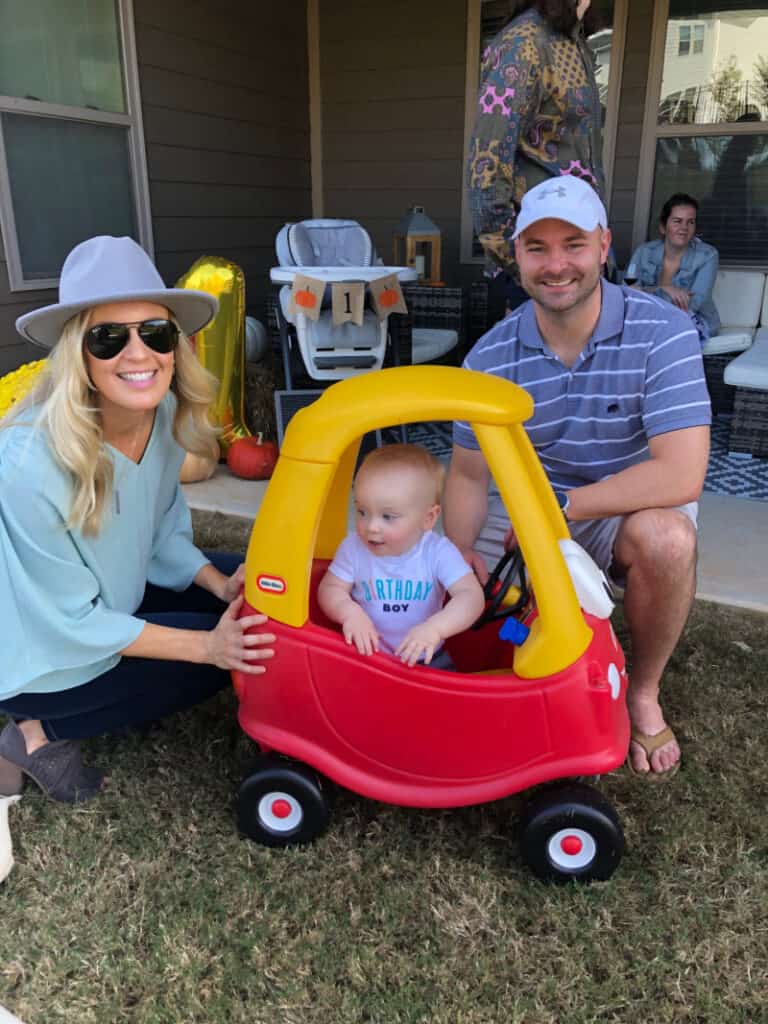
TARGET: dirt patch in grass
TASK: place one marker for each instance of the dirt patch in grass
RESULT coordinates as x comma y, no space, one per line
145,905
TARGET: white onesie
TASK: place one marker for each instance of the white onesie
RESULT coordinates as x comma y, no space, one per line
399,591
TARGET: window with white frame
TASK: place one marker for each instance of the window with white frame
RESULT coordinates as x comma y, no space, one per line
485,18
71,146
710,122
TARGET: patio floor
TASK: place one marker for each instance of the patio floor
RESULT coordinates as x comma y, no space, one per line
733,536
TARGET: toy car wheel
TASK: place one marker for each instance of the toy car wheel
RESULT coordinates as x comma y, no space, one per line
571,832
281,803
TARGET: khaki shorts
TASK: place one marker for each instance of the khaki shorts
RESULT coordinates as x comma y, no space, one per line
596,536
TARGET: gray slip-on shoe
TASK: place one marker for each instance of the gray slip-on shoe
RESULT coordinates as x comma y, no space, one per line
57,768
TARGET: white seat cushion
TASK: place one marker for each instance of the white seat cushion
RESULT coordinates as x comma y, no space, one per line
750,369
428,343
761,334
728,339
738,295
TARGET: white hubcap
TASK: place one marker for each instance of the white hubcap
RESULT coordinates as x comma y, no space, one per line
280,812
571,849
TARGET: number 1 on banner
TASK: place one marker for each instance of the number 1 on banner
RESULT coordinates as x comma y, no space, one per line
347,301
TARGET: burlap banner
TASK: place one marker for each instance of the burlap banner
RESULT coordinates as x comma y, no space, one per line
307,295
347,301
386,296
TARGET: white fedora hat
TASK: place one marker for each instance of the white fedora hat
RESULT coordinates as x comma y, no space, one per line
107,269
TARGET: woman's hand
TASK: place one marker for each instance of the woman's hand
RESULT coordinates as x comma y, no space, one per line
234,584
229,646
679,297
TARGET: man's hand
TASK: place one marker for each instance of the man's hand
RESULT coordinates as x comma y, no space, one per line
476,562
465,504
360,631
420,641
510,539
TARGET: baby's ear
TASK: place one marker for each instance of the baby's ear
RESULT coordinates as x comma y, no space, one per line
431,517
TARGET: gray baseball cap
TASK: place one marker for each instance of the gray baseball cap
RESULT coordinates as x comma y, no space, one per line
107,269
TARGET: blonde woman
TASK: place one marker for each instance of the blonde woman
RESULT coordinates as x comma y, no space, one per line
111,615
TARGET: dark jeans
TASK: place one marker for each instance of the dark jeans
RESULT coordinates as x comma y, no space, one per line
136,690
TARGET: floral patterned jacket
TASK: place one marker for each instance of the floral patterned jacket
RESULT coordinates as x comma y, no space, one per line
539,116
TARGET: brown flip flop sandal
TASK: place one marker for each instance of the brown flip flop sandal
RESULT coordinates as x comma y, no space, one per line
650,744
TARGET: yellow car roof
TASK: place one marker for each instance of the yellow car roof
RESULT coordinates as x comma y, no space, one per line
304,512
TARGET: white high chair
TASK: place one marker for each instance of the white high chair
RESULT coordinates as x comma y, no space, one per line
325,248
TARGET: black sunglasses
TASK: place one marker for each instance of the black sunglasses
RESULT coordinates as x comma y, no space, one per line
105,341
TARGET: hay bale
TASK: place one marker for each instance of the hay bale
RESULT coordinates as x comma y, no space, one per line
262,379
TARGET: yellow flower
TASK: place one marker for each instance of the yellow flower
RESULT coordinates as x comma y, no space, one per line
14,385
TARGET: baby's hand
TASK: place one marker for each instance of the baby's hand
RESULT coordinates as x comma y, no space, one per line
360,631
420,641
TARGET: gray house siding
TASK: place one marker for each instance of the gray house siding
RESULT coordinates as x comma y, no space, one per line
14,351
226,124
392,87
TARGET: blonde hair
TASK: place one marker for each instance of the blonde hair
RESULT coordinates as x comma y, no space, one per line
70,417
407,456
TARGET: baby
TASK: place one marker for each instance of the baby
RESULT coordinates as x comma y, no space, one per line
387,583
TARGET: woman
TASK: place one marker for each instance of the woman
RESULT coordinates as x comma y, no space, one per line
111,616
679,267
539,116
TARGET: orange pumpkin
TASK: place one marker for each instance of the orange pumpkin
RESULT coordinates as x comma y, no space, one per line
305,298
252,458
388,297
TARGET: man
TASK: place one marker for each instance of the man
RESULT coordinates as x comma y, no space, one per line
621,424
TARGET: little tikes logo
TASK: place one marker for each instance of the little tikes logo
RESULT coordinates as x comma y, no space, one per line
271,584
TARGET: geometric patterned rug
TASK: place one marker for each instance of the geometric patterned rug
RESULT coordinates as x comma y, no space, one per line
739,475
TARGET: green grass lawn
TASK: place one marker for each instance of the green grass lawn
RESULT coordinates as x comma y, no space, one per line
146,906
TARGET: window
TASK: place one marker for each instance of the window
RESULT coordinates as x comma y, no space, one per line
728,174
730,78
485,19
71,146
710,129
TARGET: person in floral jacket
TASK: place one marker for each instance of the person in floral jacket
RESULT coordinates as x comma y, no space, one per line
538,116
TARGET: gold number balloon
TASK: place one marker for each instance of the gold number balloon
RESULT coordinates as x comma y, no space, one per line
220,346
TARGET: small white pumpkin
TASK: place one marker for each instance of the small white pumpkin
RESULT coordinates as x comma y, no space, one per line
197,467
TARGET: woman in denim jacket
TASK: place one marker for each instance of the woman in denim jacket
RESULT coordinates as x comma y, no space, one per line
679,267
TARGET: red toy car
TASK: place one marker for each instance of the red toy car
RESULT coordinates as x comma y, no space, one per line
515,715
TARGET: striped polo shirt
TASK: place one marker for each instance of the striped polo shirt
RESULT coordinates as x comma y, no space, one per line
639,375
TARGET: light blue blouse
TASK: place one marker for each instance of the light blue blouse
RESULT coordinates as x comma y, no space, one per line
67,601
696,274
